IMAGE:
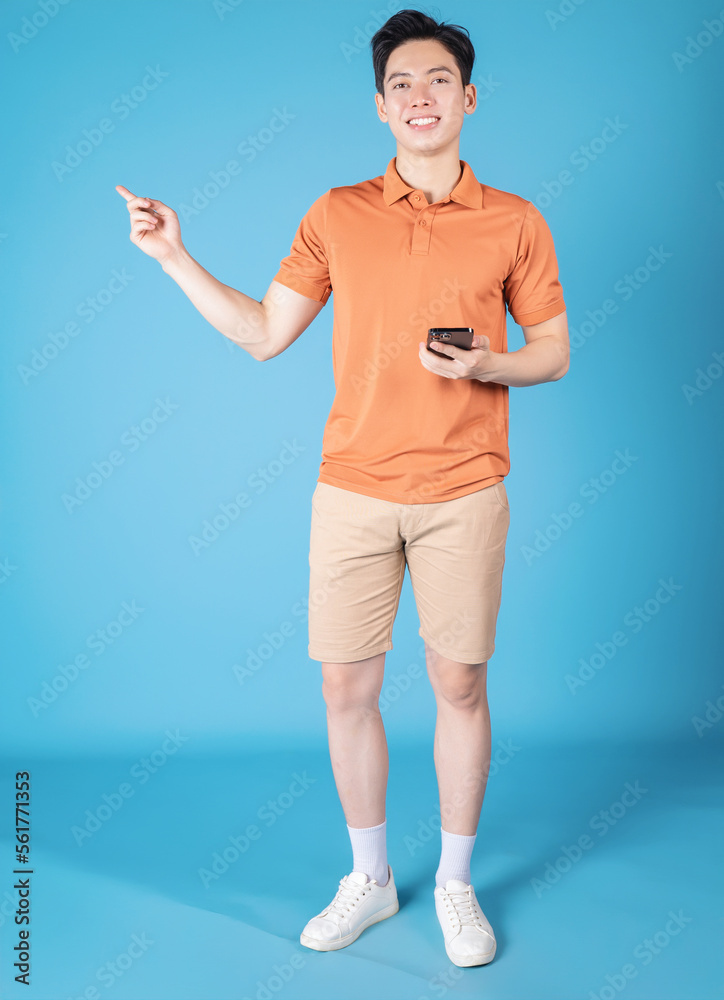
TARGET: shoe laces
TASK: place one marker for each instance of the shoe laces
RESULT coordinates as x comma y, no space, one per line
461,908
348,894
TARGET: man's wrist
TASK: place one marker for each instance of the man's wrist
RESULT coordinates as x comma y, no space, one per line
175,261
495,368
536,362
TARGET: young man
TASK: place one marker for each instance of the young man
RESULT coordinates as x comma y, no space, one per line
415,448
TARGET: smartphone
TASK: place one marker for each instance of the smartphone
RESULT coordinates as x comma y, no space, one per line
458,336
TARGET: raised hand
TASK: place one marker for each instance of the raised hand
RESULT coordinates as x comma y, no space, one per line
155,227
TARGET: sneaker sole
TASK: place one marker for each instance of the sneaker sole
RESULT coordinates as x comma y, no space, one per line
465,961
311,942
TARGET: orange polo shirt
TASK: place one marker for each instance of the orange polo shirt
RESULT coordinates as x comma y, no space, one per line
397,265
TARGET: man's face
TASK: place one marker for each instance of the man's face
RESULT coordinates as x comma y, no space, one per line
418,87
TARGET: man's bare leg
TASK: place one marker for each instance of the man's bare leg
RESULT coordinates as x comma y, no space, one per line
358,751
357,741
462,739
462,762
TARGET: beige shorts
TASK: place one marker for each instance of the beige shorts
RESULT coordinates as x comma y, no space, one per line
359,547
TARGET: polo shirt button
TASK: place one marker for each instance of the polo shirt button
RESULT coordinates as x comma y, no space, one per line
417,197
422,222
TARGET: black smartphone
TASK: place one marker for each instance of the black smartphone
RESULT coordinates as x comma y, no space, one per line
458,336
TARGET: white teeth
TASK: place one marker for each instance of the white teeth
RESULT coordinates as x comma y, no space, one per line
422,121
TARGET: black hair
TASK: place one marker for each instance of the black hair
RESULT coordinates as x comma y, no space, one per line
409,24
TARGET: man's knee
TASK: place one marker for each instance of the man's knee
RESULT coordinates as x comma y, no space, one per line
463,685
349,686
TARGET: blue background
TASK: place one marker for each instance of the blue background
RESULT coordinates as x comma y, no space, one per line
576,714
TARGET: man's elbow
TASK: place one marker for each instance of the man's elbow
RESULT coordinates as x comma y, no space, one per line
268,349
259,352
253,335
254,350
564,363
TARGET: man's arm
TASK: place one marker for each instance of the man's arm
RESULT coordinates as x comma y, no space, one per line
544,358
264,329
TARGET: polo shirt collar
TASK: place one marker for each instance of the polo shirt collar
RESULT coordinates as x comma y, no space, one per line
468,190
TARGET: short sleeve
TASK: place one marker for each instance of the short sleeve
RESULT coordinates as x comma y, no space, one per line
533,292
306,269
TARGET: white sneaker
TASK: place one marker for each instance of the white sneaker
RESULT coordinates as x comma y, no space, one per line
469,938
358,903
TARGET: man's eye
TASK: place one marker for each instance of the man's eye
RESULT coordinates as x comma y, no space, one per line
444,80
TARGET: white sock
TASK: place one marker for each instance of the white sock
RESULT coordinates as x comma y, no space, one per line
455,857
369,846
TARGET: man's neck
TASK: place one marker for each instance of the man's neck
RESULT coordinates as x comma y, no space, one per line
435,176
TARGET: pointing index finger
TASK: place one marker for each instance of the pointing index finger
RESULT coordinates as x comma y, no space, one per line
124,192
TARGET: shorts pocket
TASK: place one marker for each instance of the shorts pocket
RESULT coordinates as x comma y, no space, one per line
320,497
501,494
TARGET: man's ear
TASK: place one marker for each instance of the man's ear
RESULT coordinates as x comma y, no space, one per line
381,111
471,98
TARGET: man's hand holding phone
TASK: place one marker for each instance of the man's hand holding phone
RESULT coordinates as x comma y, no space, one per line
456,362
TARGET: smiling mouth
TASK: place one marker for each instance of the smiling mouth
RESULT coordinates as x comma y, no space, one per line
423,122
